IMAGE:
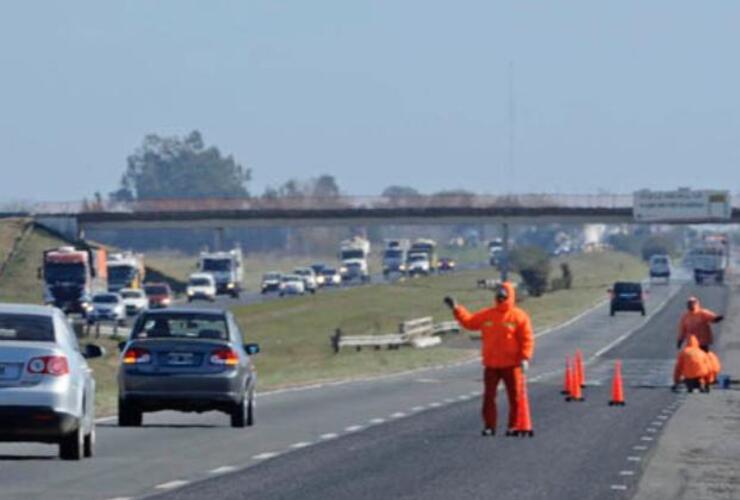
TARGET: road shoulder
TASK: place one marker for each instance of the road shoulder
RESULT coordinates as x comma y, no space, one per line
696,456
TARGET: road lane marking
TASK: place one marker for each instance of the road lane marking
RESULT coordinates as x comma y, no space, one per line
417,408
435,405
651,429
265,456
463,397
449,400
330,435
224,469
634,459
171,484
299,445
657,423
353,428
377,421
663,417
398,414
640,447
646,438
626,473
620,487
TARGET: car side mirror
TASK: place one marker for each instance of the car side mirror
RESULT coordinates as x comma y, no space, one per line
252,349
93,351
122,345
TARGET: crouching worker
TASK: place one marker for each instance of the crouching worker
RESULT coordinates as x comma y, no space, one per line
507,345
692,367
714,367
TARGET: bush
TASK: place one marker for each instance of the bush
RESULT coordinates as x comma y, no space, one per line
565,281
533,265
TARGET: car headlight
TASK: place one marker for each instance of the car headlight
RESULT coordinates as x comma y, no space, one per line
320,279
166,300
402,267
230,285
343,270
190,292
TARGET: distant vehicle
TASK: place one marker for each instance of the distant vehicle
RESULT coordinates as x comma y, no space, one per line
107,306
201,286
227,269
331,276
125,270
447,264
495,251
418,264
394,261
186,360
353,254
627,296
292,284
72,276
271,282
134,300
47,388
317,268
427,247
159,295
710,260
660,266
309,278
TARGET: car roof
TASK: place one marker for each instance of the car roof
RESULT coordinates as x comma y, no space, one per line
31,309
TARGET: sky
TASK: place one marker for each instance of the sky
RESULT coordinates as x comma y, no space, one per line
598,96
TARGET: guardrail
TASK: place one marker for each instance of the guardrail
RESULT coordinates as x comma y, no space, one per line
419,333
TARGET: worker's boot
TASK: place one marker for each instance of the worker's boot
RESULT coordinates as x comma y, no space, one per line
488,431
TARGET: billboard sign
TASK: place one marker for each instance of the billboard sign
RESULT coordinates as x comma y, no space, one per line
683,205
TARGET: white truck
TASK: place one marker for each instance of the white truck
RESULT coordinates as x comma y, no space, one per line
227,269
710,260
394,257
353,255
125,270
495,251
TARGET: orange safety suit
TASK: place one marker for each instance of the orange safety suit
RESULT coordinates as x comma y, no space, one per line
692,364
697,322
714,367
506,340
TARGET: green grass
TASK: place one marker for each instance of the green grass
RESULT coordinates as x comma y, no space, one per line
10,230
20,282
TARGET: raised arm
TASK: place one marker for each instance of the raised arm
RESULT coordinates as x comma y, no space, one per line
468,320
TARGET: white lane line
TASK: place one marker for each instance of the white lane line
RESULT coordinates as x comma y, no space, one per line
329,435
223,469
646,438
657,423
171,484
640,447
417,408
663,417
651,430
120,498
377,421
398,414
619,487
302,444
626,473
475,393
265,456
353,428
449,400
634,459
435,405
463,397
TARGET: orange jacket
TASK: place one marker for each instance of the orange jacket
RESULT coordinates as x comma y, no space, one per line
714,366
507,337
696,322
691,362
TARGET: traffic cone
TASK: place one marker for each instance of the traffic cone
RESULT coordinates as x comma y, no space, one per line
579,367
566,377
575,387
617,386
523,417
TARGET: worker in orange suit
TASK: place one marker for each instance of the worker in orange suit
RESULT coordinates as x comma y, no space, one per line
697,321
692,367
714,367
507,345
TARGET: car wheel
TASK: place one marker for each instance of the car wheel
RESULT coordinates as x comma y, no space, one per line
642,311
250,412
71,446
89,444
128,415
240,414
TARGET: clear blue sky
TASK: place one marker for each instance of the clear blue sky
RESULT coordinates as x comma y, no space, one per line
376,92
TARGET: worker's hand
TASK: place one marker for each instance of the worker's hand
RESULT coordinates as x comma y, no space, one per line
525,365
718,319
450,302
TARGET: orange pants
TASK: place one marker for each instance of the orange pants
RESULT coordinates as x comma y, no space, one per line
512,377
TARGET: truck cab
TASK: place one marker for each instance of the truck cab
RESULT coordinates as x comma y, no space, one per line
125,270
226,269
72,276
353,255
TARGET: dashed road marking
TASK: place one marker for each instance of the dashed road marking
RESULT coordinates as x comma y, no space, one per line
663,417
329,435
463,397
619,487
398,414
265,456
626,473
302,444
651,429
634,459
353,428
417,408
449,400
657,423
640,447
646,438
223,469
435,405
171,484
377,421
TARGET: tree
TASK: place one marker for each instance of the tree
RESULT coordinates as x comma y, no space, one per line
170,167
533,265
396,192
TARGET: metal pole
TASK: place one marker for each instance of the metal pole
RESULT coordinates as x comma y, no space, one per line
505,253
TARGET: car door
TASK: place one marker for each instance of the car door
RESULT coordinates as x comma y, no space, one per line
86,381
246,366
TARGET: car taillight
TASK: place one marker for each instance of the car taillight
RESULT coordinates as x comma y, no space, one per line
224,357
49,365
136,356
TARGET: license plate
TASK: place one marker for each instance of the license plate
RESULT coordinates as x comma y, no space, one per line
180,358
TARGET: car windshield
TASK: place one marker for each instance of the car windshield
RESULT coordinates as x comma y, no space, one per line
133,294
216,265
108,298
317,268
200,281
393,254
184,325
120,273
417,258
327,271
291,278
628,288
271,277
156,290
26,327
660,260
353,254
303,272
64,272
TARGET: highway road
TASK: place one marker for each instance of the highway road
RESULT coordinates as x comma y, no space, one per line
407,436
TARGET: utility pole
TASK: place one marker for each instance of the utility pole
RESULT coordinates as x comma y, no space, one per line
512,141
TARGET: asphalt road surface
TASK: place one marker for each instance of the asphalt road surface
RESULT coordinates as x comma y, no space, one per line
407,436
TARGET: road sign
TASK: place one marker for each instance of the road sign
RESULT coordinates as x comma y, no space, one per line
682,205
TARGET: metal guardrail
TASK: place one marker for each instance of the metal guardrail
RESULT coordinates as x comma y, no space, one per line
420,332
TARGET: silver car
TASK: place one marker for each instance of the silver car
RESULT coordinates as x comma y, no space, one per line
47,392
190,360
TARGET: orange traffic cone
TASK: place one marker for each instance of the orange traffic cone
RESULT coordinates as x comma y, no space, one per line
575,387
524,419
579,367
617,386
567,377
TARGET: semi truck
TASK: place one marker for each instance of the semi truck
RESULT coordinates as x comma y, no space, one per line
427,247
72,275
353,255
227,269
394,257
710,259
125,270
